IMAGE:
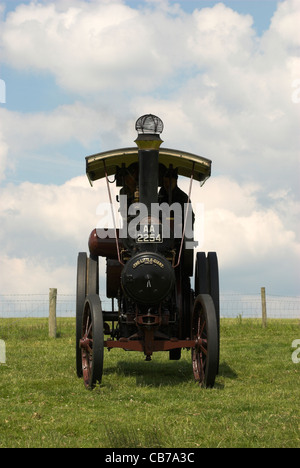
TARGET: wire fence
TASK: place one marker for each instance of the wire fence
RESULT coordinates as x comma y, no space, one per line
231,306
35,306
250,306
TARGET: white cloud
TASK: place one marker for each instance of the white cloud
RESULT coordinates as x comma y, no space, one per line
91,46
285,24
33,275
52,145
220,35
210,75
222,92
46,216
44,227
96,46
256,244
63,124
42,230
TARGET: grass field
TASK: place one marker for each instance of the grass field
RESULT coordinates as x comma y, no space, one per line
255,402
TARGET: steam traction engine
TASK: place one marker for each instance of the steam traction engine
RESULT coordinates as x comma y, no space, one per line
150,263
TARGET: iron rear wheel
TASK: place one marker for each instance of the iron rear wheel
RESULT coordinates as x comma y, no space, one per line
92,275
80,298
213,273
207,282
201,274
92,342
87,283
205,333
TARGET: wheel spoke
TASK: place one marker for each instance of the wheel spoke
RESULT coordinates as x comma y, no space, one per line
202,327
88,326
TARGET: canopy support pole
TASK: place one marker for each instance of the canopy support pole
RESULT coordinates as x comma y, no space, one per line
186,215
112,212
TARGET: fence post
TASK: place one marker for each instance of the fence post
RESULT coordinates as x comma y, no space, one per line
52,312
263,307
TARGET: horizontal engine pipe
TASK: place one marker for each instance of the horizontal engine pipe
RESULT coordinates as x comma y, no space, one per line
104,247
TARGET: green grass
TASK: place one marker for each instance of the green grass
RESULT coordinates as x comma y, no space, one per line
157,404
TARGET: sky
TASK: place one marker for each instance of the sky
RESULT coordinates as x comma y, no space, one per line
225,79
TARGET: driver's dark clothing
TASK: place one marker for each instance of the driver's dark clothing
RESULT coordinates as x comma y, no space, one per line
177,196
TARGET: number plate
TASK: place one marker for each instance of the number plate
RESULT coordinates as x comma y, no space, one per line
150,233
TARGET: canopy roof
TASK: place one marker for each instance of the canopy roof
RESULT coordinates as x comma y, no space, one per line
179,159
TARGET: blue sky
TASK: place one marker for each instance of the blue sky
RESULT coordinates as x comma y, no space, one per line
30,91
224,77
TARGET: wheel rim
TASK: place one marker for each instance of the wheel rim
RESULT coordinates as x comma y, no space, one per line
199,353
205,334
213,271
92,342
80,299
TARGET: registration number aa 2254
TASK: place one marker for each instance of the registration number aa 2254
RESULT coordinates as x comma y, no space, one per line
150,233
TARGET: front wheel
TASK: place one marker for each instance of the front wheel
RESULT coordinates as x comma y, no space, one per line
205,354
92,342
